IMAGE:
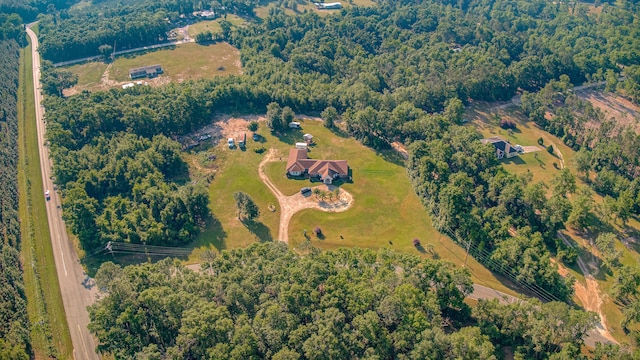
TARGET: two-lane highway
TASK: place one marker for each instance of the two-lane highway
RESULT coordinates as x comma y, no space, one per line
75,295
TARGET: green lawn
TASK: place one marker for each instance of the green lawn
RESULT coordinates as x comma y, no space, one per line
238,172
89,74
183,62
386,211
276,171
49,331
540,163
180,63
213,26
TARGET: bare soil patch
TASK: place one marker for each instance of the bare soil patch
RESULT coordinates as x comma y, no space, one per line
589,293
223,127
623,111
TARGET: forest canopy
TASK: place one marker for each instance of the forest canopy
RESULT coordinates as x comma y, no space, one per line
267,302
14,323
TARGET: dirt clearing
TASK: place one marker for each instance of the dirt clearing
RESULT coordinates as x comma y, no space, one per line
615,107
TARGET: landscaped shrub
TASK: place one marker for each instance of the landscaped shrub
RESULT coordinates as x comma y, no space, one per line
318,231
416,242
550,149
507,124
259,150
540,141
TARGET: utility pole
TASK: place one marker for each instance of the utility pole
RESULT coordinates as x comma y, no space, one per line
467,252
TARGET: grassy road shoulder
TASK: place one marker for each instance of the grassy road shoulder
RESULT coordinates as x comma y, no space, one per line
49,330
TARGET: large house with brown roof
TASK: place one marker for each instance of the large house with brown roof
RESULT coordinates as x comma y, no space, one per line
299,164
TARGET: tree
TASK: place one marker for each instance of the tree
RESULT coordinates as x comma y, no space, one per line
337,193
253,126
582,161
226,29
454,111
105,51
605,243
470,343
626,283
247,208
580,217
287,116
204,37
550,149
624,205
564,183
330,115
274,117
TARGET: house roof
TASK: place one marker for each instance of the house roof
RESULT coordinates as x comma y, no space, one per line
499,144
146,69
298,162
294,156
329,168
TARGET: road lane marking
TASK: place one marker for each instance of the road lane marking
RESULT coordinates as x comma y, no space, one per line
84,347
62,253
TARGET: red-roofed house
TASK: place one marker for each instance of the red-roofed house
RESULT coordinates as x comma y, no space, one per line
299,164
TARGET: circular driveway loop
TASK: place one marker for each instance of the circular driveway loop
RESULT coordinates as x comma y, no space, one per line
289,205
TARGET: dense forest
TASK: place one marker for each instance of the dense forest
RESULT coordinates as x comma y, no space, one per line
11,28
29,9
267,302
14,323
128,188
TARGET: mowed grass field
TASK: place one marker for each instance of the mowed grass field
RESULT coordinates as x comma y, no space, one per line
89,74
386,211
486,119
539,163
180,63
213,26
183,62
49,331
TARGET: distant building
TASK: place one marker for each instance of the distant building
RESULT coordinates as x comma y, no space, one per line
205,14
503,148
328,6
146,71
299,164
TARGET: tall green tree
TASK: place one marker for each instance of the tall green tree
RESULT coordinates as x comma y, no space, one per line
247,208
274,117
329,115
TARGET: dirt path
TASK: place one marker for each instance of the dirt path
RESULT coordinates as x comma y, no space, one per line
529,149
589,293
289,205
557,151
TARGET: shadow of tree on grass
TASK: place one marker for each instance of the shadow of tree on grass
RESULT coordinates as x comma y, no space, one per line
258,229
